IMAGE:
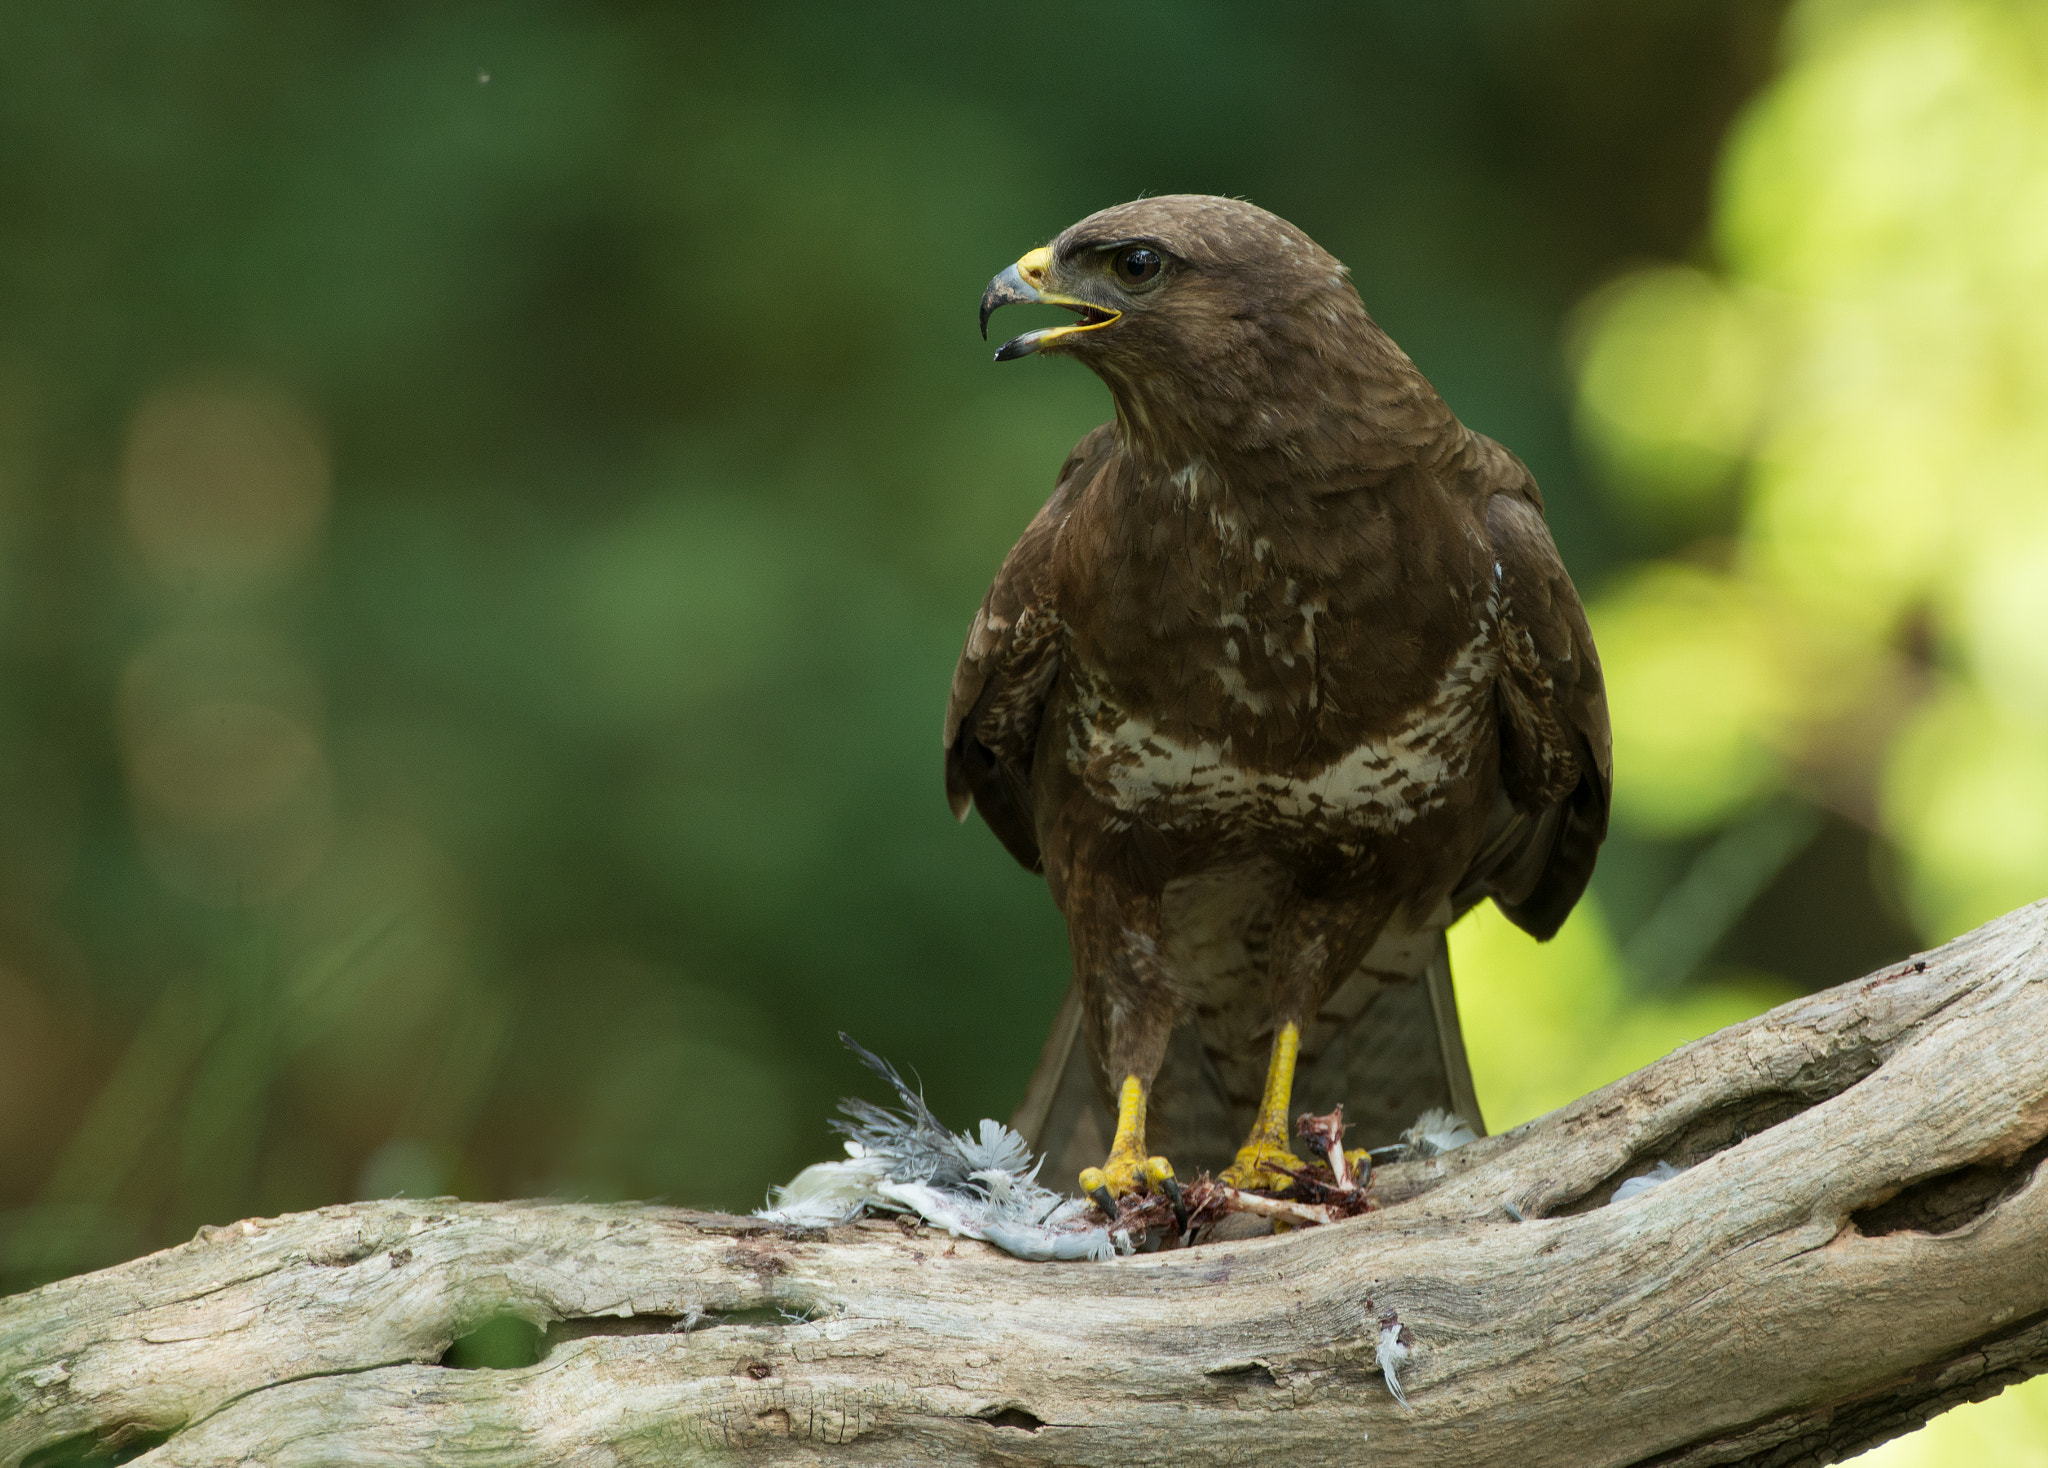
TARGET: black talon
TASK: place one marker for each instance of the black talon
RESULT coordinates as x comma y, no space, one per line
1104,1201
1174,1196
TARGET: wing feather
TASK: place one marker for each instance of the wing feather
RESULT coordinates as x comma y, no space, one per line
1008,668
1556,751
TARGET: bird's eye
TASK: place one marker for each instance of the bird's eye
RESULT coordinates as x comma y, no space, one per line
1136,264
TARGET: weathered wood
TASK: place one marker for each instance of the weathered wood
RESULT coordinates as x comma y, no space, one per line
1861,1239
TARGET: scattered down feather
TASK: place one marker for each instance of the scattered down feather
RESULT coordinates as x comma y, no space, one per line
1436,1132
1656,1177
1394,1345
981,1186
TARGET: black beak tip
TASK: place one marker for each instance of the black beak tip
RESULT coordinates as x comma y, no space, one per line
1006,289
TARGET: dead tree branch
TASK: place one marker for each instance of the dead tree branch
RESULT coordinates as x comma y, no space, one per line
1860,1239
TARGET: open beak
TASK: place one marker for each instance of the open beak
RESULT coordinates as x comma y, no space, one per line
1025,282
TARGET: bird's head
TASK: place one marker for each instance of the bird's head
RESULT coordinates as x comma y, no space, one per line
1205,316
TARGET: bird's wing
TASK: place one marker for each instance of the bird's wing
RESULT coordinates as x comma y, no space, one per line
1008,667
1556,752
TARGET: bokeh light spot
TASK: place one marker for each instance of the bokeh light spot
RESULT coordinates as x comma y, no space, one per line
224,487
234,801
1671,381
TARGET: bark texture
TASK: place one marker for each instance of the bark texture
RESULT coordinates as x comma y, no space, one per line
1859,1240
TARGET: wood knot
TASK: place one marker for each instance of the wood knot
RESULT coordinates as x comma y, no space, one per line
775,1420
1014,1415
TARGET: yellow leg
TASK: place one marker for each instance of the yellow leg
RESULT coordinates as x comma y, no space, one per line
1128,1167
1265,1152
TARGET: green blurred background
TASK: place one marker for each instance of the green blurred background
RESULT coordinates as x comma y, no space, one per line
490,496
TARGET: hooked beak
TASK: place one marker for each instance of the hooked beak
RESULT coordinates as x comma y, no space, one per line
1024,282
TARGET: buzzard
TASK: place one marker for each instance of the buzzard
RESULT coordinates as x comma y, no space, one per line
1285,677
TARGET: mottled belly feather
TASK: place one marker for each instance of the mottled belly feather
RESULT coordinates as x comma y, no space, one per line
1126,761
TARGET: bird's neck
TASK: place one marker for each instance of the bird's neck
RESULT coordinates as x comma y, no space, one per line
1319,406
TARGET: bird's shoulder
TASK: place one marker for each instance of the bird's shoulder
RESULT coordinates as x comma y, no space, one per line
1550,668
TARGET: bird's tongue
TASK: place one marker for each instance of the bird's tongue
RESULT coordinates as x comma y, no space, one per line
1025,345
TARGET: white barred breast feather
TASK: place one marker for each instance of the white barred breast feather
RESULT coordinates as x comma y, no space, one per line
1382,783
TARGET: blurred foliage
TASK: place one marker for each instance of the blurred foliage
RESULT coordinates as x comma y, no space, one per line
490,496
1857,392
1861,385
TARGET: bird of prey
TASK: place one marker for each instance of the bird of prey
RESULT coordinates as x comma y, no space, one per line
1285,677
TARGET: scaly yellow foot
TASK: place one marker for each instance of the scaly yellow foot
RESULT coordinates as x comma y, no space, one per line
1128,1168
1258,1167
1265,1152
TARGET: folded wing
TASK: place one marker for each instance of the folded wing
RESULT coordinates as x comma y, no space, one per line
1556,752
1008,668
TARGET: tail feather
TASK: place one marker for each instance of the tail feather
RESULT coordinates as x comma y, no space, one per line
1387,1044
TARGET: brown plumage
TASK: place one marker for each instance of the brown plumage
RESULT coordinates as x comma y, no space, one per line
1286,675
